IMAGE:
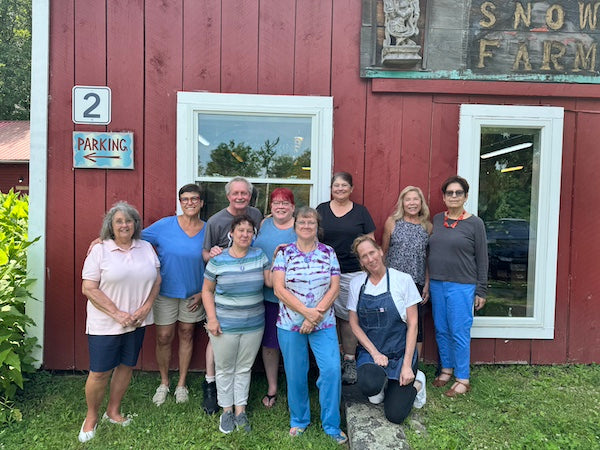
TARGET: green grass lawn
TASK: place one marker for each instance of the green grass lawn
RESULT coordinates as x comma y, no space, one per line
527,407
515,407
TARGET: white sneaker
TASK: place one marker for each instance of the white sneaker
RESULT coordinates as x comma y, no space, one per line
161,395
181,394
421,397
378,398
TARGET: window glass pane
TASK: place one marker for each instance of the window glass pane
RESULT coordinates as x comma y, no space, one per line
215,199
254,146
508,198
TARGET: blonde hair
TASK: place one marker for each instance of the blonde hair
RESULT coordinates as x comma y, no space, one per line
398,213
361,240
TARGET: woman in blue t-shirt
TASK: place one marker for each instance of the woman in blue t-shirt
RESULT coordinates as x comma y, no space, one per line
178,240
274,231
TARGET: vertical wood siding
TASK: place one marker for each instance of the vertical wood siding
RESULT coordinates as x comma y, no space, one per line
584,317
349,95
125,76
90,185
61,293
146,51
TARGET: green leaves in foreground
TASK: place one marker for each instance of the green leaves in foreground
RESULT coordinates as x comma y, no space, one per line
15,346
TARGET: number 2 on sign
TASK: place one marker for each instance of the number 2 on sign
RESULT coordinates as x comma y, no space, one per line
88,112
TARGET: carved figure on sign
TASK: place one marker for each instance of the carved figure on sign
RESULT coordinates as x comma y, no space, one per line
401,17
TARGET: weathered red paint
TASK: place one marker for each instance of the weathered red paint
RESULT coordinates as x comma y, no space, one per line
61,295
14,176
387,133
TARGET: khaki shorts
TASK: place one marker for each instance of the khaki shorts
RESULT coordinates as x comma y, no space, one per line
340,305
168,310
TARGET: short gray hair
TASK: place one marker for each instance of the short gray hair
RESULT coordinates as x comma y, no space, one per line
308,212
236,180
130,212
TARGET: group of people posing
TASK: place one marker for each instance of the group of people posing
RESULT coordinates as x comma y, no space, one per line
301,278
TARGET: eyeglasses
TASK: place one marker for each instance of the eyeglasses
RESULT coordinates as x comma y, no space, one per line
306,223
340,185
278,203
120,222
454,193
192,200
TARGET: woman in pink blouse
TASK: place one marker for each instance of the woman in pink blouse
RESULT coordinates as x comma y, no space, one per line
121,279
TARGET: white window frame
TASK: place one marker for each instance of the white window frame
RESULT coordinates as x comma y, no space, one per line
549,120
320,109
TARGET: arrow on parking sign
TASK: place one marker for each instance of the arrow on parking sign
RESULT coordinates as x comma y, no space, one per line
92,157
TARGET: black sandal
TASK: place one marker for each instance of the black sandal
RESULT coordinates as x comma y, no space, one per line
271,400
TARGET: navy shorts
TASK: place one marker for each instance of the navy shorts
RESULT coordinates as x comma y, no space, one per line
109,351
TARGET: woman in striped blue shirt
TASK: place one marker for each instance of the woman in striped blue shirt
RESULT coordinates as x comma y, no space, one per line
233,299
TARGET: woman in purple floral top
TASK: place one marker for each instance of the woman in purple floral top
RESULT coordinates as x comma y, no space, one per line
306,279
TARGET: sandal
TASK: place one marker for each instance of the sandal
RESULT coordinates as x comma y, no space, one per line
439,381
269,400
297,431
452,392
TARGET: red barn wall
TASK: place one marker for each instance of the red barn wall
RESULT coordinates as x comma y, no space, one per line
14,176
387,133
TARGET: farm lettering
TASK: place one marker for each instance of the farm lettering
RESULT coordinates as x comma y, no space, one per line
536,36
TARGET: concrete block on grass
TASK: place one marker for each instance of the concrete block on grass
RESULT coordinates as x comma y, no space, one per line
367,426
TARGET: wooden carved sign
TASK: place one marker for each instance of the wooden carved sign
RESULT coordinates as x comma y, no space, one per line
536,40
557,37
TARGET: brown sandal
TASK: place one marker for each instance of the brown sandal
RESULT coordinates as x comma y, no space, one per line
452,392
439,381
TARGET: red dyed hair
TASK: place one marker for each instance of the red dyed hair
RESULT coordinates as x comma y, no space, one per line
284,193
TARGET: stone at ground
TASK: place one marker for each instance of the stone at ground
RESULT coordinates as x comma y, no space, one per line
367,426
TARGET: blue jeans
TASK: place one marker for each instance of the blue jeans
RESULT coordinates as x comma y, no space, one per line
452,305
325,347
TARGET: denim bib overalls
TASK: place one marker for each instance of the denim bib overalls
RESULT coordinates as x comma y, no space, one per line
378,317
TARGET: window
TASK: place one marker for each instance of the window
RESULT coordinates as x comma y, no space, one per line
273,141
511,156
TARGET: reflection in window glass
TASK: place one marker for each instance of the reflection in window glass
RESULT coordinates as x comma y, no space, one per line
254,146
215,199
508,198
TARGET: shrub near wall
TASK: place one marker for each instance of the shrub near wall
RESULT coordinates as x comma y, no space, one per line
15,346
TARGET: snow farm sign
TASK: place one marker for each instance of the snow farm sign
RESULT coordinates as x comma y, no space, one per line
506,40
534,37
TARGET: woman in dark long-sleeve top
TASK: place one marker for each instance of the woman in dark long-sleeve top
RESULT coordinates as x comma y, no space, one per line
458,265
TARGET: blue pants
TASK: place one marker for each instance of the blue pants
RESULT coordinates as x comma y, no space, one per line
325,347
452,305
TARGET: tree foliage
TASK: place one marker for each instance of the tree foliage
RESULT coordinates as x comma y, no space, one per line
15,346
239,159
15,59
231,159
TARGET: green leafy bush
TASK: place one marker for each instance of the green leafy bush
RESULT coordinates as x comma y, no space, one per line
15,346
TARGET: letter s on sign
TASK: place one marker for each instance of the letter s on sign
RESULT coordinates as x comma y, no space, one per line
486,10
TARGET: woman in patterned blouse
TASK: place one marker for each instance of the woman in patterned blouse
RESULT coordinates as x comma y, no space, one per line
405,237
306,279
